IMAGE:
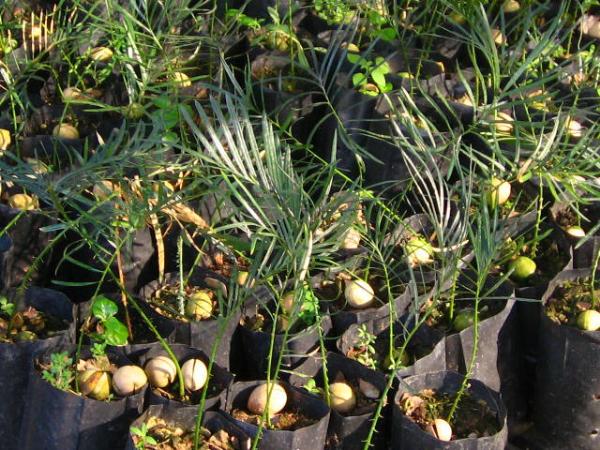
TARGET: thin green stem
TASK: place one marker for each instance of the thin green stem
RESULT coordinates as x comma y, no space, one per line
465,382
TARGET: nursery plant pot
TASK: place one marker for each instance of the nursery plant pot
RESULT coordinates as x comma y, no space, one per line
343,317
586,255
185,418
563,217
219,380
346,431
406,434
424,338
271,70
499,357
137,257
50,149
141,337
529,307
28,242
63,420
15,360
446,115
311,436
415,226
566,407
39,126
5,245
353,110
295,349
426,348
386,168
197,334
282,106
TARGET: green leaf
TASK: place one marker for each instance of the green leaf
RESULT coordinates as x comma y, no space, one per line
381,66
170,117
104,308
387,88
387,34
170,138
375,18
526,176
232,12
378,78
311,386
250,22
274,14
162,102
238,244
98,349
55,227
115,332
6,306
353,58
310,305
74,283
358,79
369,93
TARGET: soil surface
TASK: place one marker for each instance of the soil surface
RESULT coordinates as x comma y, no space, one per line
439,316
221,264
566,218
569,300
290,419
414,351
28,325
519,202
165,301
169,436
549,261
472,419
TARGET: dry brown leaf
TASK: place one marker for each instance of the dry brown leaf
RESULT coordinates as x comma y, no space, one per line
185,214
411,404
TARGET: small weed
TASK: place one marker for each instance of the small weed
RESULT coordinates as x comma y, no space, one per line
60,374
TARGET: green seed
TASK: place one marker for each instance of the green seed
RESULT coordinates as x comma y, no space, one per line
65,131
419,251
589,320
522,267
499,192
463,320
